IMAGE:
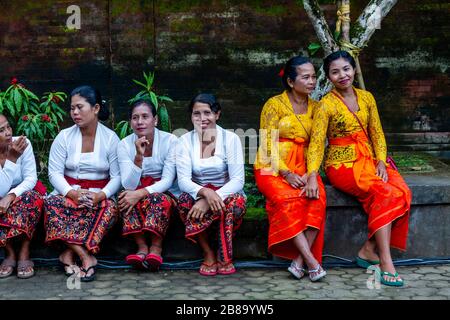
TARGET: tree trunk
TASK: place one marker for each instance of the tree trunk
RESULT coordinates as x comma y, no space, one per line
369,20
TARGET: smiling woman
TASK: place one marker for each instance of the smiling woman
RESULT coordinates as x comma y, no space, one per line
210,168
20,204
356,164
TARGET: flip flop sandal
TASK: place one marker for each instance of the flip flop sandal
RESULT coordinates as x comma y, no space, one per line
69,267
319,273
296,270
22,266
396,283
136,260
153,261
86,271
365,263
212,269
225,269
8,263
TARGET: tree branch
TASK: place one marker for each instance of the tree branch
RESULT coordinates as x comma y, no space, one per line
370,20
320,25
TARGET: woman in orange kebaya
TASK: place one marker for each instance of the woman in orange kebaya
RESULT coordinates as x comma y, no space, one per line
296,222
356,164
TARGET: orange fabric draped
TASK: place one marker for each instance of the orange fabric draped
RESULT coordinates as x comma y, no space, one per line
289,214
384,203
296,159
364,169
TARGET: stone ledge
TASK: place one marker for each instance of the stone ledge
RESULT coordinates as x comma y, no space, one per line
345,230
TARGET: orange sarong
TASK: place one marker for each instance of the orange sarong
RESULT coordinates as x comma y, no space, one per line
288,213
384,202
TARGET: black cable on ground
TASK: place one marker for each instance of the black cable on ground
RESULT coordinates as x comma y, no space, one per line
113,263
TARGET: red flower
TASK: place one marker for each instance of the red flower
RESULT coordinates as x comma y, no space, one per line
25,118
281,73
45,118
56,99
14,80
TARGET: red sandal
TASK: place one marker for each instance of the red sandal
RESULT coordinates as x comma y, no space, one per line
212,269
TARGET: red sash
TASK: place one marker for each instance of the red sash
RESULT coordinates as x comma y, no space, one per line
147,181
86,184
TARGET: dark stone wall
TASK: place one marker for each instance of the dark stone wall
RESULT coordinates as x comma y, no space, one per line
231,48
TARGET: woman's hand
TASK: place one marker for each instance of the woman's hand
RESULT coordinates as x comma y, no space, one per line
129,198
311,189
78,196
294,179
382,171
214,200
6,201
140,145
198,210
17,148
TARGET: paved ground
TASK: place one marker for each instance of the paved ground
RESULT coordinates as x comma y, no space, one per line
423,282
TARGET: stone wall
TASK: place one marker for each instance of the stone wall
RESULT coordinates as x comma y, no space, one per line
232,48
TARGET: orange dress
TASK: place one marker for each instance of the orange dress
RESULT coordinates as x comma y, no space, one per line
351,158
284,138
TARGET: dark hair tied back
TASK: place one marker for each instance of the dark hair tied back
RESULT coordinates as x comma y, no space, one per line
207,98
94,97
290,69
337,55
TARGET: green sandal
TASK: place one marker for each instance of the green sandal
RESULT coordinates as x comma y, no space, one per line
396,283
363,263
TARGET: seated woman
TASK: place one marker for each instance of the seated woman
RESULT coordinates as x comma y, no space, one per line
20,204
356,164
296,222
147,168
210,168
84,171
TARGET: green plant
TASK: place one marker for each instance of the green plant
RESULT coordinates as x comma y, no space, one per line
123,128
37,119
254,198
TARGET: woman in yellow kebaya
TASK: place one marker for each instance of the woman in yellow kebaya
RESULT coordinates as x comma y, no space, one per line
355,163
296,222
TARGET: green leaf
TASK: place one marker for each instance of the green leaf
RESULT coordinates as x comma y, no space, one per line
313,48
154,99
140,83
17,100
165,98
10,108
164,119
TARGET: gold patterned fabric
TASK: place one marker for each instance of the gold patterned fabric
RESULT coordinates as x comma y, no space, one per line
334,120
278,120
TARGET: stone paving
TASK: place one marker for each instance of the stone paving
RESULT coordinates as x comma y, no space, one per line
421,282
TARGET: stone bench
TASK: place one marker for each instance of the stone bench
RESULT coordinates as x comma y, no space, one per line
346,228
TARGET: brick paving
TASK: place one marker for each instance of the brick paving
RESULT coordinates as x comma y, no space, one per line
421,282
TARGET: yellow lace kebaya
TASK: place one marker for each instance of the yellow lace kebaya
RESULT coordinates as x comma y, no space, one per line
278,120
334,120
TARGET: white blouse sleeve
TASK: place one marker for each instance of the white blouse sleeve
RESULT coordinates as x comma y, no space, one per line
129,172
184,169
169,170
56,164
114,172
28,168
7,176
235,162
